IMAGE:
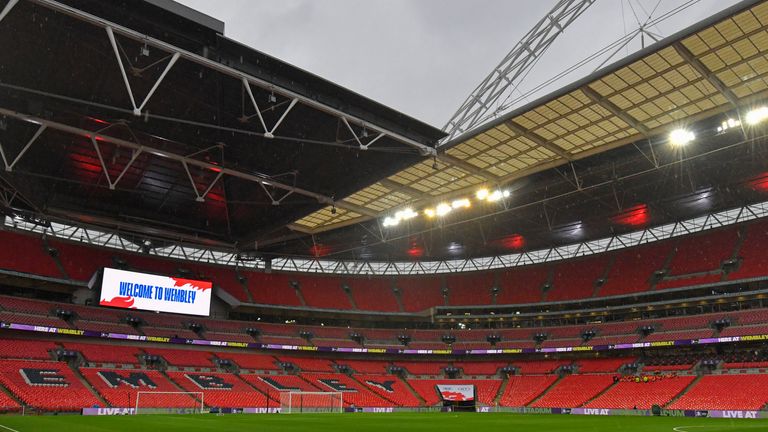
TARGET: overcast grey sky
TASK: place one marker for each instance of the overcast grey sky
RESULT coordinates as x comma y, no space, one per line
424,57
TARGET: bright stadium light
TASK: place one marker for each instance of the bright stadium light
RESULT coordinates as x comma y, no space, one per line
728,124
492,196
756,116
459,203
401,215
430,213
443,209
406,214
390,221
681,137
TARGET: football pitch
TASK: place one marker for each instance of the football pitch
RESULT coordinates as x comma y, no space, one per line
437,422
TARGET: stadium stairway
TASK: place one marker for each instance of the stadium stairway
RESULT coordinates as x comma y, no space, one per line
368,387
604,276
546,390
300,295
88,385
348,294
242,282
398,298
413,391
256,389
53,252
602,392
502,389
171,380
11,395
667,263
684,391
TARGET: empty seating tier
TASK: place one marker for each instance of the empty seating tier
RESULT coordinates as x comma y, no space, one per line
573,391
726,392
642,395
45,385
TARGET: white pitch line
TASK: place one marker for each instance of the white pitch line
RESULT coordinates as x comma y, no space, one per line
683,428
10,429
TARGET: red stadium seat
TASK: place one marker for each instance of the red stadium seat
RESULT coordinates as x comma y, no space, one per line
573,391
46,385
373,294
220,389
522,389
726,392
643,395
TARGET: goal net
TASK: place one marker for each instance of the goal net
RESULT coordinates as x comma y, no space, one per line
149,402
311,402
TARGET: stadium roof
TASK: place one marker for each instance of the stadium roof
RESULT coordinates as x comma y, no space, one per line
711,67
315,172
143,117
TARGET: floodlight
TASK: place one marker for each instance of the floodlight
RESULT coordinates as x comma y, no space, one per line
482,194
390,221
406,214
757,115
460,203
495,195
681,137
443,209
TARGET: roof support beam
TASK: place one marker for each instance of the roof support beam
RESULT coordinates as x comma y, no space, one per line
615,110
113,184
268,133
7,9
355,208
10,164
263,179
137,108
423,149
538,139
466,166
198,196
699,67
393,185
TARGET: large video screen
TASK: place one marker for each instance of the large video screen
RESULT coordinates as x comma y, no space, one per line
133,290
457,393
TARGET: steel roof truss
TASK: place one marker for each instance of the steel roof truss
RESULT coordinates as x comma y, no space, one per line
134,156
357,138
9,165
201,198
137,108
7,9
268,133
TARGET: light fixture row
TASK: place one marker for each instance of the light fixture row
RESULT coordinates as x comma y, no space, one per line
681,137
444,208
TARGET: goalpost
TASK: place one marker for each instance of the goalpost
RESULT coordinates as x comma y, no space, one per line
292,402
152,402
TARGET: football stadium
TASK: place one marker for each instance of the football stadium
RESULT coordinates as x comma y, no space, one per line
198,236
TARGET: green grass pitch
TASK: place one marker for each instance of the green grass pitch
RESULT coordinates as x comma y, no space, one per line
427,422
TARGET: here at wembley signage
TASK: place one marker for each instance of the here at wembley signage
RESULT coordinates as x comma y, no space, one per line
133,290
